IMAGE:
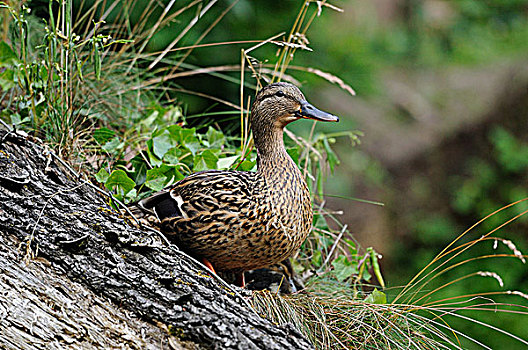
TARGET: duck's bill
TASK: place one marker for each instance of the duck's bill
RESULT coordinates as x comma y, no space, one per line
310,112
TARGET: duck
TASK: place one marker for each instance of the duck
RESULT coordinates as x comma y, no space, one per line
237,221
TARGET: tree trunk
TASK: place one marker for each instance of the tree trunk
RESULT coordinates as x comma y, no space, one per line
80,252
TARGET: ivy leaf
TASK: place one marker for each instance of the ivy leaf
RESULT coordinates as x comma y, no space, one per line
140,169
154,161
172,157
158,178
343,268
376,297
161,144
120,181
226,163
102,176
246,165
205,160
185,137
113,145
193,146
214,138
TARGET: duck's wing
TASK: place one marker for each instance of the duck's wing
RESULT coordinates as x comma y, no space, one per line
205,192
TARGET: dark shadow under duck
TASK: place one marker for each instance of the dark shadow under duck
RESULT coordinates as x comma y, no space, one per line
238,220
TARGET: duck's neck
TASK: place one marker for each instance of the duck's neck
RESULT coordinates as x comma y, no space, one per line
272,156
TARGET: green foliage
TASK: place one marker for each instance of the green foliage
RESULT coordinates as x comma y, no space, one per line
45,84
344,268
376,297
418,34
111,100
172,152
485,189
43,78
486,182
119,181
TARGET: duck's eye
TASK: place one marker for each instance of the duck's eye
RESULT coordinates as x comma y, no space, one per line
280,93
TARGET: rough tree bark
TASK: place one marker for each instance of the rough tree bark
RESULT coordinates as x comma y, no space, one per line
89,269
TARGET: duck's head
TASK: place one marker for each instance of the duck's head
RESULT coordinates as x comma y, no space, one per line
279,104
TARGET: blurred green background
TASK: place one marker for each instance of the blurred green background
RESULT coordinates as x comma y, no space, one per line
442,99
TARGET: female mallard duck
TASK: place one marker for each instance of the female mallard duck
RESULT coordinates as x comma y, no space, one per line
239,220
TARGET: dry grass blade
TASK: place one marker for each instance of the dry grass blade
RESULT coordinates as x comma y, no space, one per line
200,38
446,251
201,13
159,23
339,322
332,79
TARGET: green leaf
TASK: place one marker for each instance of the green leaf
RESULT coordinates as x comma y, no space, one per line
102,176
131,196
376,297
193,147
119,181
320,222
190,140
7,55
174,155
185,137
177,174
294,154
331,156
140,169
365,275
158,178
103,135
113,145
154,161
246,165
319,181
317,259
343,268
17,120
188,135
226,163
7,79
161,144
205,160
214,138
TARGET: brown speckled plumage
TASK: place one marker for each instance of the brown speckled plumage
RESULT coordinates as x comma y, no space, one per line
241,220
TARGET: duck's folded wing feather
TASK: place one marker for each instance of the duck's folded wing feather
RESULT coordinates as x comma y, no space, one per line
206,191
